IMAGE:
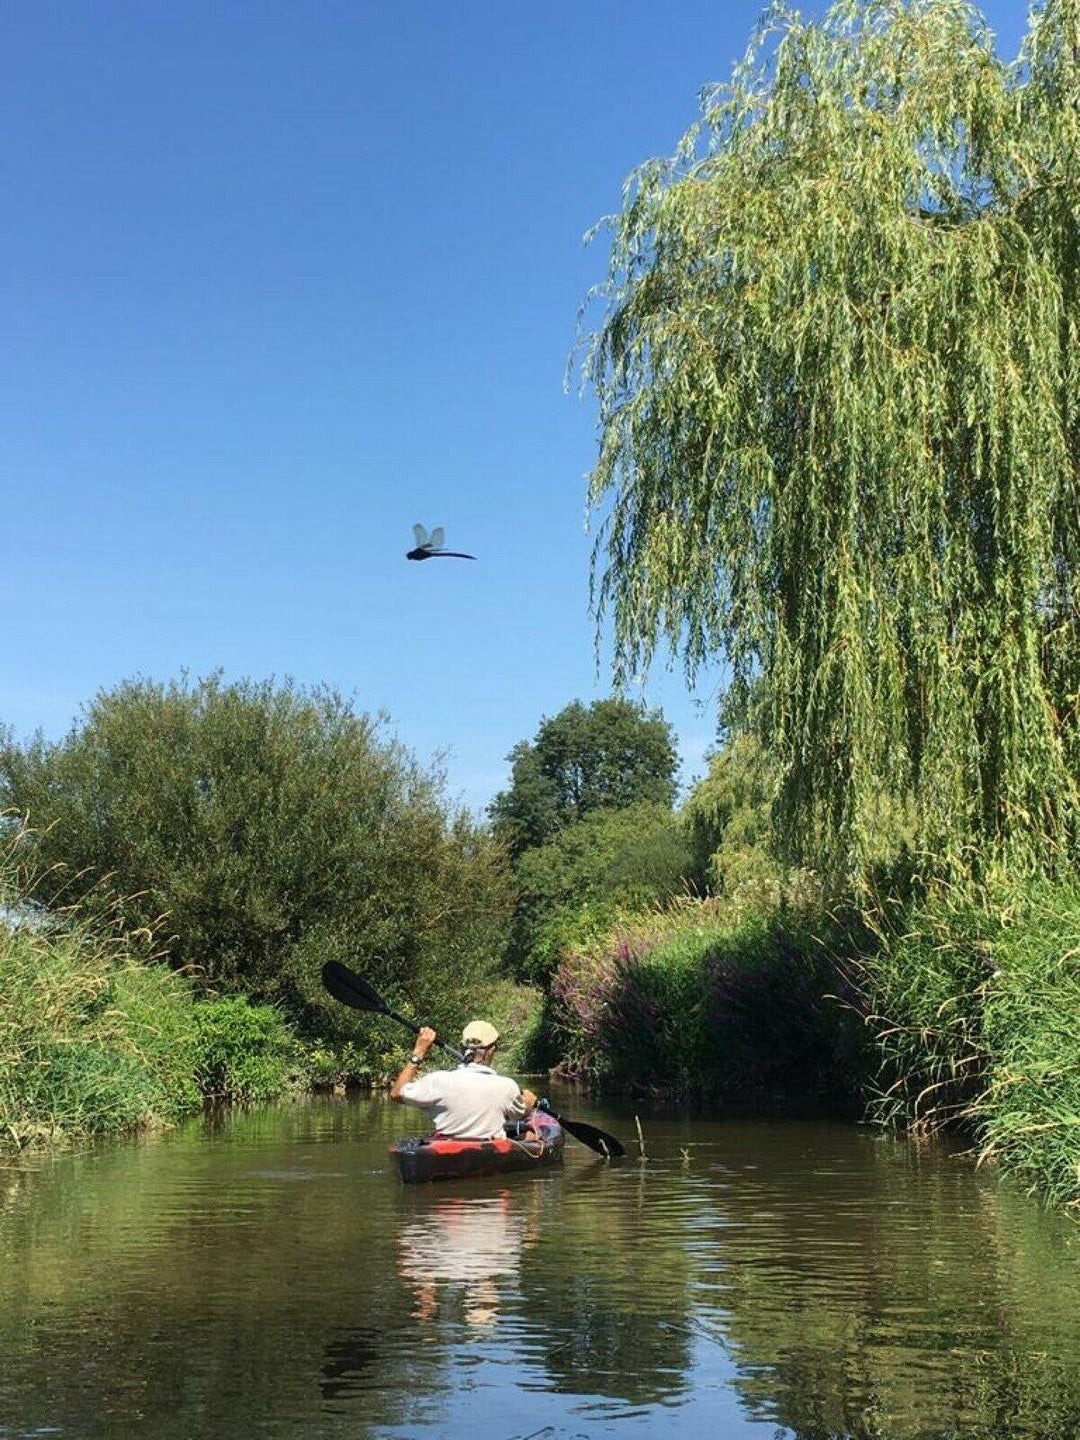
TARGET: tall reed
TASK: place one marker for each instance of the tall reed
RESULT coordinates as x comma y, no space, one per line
973,996
96,1037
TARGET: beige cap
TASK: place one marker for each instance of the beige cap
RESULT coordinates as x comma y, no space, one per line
479,1033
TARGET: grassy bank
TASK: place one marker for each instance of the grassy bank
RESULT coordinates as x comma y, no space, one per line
701,999
974,1000
95,1039
962,1010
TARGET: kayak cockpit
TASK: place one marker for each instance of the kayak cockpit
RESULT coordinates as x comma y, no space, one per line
528,1144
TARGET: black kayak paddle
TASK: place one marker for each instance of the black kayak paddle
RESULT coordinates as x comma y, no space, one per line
353,990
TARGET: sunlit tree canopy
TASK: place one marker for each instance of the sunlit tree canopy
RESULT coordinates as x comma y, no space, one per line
837,373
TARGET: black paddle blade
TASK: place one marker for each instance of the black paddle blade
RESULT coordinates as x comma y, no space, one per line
598,1140
351,989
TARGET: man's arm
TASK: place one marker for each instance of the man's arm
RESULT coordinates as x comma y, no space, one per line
411,1068
530,1099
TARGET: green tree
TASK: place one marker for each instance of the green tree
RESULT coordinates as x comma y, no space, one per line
260,829
635,855
728,816
839,388
608,755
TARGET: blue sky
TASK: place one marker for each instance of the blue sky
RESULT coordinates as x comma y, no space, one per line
279,279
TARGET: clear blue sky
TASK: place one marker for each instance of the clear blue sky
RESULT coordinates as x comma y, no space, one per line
279,279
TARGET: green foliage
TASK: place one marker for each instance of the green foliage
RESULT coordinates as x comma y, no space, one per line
91,1040
728,817
838,379
974,998
96,1038
607,756
266,828
246,1052
923,988
1029,1114
601,863
517,1012
700,999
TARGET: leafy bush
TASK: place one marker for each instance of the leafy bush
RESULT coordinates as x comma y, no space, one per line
266,828
598,866
922,991
1029,1114
246,1052
517,1012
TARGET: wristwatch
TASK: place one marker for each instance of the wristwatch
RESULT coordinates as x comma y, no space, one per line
415,1059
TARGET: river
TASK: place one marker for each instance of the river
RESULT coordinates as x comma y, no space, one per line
265,1273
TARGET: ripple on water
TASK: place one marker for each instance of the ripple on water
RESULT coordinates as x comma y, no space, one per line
268,1274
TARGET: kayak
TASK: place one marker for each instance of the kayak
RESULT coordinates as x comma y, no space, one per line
438,1159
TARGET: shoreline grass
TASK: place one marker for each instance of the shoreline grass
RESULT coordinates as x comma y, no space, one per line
960,1010
96,1037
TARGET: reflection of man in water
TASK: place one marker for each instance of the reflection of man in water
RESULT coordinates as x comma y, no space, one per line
476,1243
471,1102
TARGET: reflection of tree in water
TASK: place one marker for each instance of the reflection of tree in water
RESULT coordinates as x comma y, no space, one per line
613,1295
349,1360
611,1343
898,1299
177,1289
609,1309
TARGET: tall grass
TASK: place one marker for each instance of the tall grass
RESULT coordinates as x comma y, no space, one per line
91,1040
974,1000
95,1037
960,1008
701,999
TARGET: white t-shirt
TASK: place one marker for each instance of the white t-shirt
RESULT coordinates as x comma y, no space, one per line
469,1103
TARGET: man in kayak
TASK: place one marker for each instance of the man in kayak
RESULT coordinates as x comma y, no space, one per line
471,1102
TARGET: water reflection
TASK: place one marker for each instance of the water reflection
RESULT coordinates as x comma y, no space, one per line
467,1247
270,1276
351,1358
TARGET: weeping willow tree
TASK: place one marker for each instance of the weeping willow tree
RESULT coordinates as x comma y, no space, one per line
840,424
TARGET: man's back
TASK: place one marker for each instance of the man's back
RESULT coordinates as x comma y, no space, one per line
471,1102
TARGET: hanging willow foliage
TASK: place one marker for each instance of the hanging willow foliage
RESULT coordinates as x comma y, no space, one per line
840,422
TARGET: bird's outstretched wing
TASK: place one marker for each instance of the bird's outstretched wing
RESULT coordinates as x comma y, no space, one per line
421,535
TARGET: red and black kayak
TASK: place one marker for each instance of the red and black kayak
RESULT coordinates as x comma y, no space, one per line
439,1159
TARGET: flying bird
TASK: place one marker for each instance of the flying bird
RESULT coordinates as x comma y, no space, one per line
428,547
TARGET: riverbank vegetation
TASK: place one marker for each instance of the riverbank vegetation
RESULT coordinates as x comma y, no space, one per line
260,829
836,370
179,868
837,379
95,1037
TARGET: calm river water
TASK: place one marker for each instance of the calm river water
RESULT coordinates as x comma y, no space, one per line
266,1274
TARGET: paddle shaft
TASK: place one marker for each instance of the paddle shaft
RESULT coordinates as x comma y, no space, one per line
412,1028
